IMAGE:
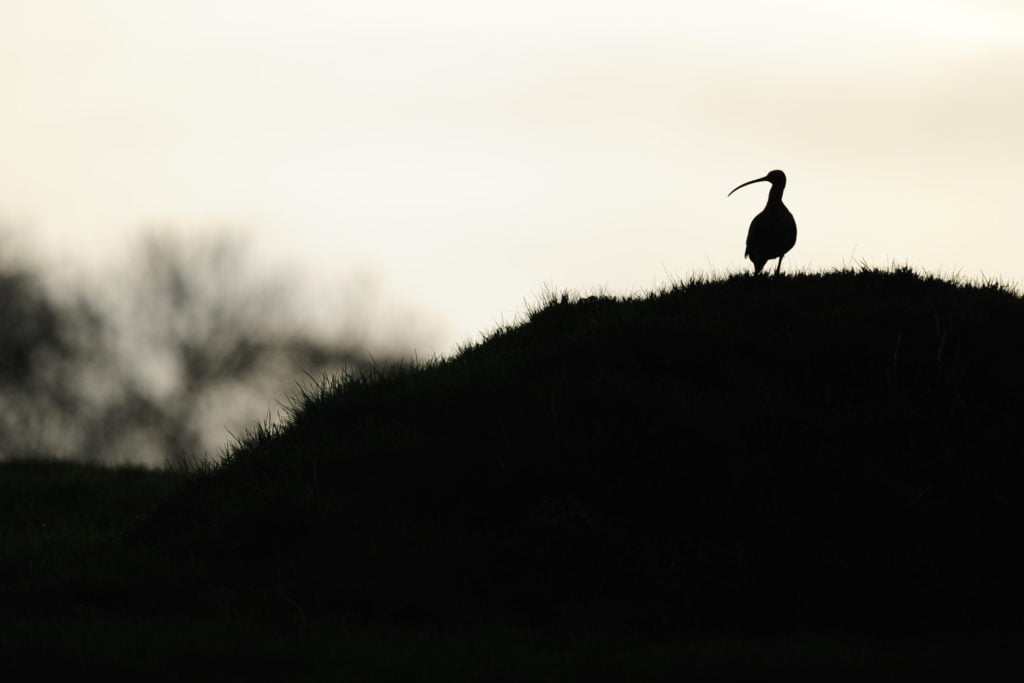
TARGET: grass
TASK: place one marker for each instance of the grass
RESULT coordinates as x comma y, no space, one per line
235,650
815,474
53,511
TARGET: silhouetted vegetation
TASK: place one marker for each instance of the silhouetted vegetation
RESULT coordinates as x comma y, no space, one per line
745,461
159,363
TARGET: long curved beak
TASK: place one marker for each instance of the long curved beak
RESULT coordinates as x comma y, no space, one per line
749,182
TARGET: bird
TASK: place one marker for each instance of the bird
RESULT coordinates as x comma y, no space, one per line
773,231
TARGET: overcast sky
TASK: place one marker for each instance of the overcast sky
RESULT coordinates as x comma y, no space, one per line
464,154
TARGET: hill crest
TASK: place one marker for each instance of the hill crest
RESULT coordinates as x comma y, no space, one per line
810,448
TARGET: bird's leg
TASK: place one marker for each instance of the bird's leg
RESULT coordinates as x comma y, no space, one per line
778,267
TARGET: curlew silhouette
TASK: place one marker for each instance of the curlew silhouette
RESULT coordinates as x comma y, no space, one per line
773,231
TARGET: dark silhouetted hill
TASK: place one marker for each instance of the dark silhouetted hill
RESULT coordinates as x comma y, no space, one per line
836,450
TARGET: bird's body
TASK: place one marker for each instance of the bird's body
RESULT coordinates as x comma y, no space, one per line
773,231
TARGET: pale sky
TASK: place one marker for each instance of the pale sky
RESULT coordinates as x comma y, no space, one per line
468,154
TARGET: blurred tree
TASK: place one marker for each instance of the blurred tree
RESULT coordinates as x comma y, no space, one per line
187,345
204,345
43,347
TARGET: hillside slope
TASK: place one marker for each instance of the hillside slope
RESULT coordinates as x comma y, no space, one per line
822,450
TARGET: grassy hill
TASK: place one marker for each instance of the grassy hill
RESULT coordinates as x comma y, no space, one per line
831,453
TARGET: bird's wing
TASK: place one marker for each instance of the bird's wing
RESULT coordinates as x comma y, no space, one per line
754,234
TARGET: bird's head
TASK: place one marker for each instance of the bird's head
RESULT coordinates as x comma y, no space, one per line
776,178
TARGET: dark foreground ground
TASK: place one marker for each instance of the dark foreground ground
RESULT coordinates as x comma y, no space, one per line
811,477
72,604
